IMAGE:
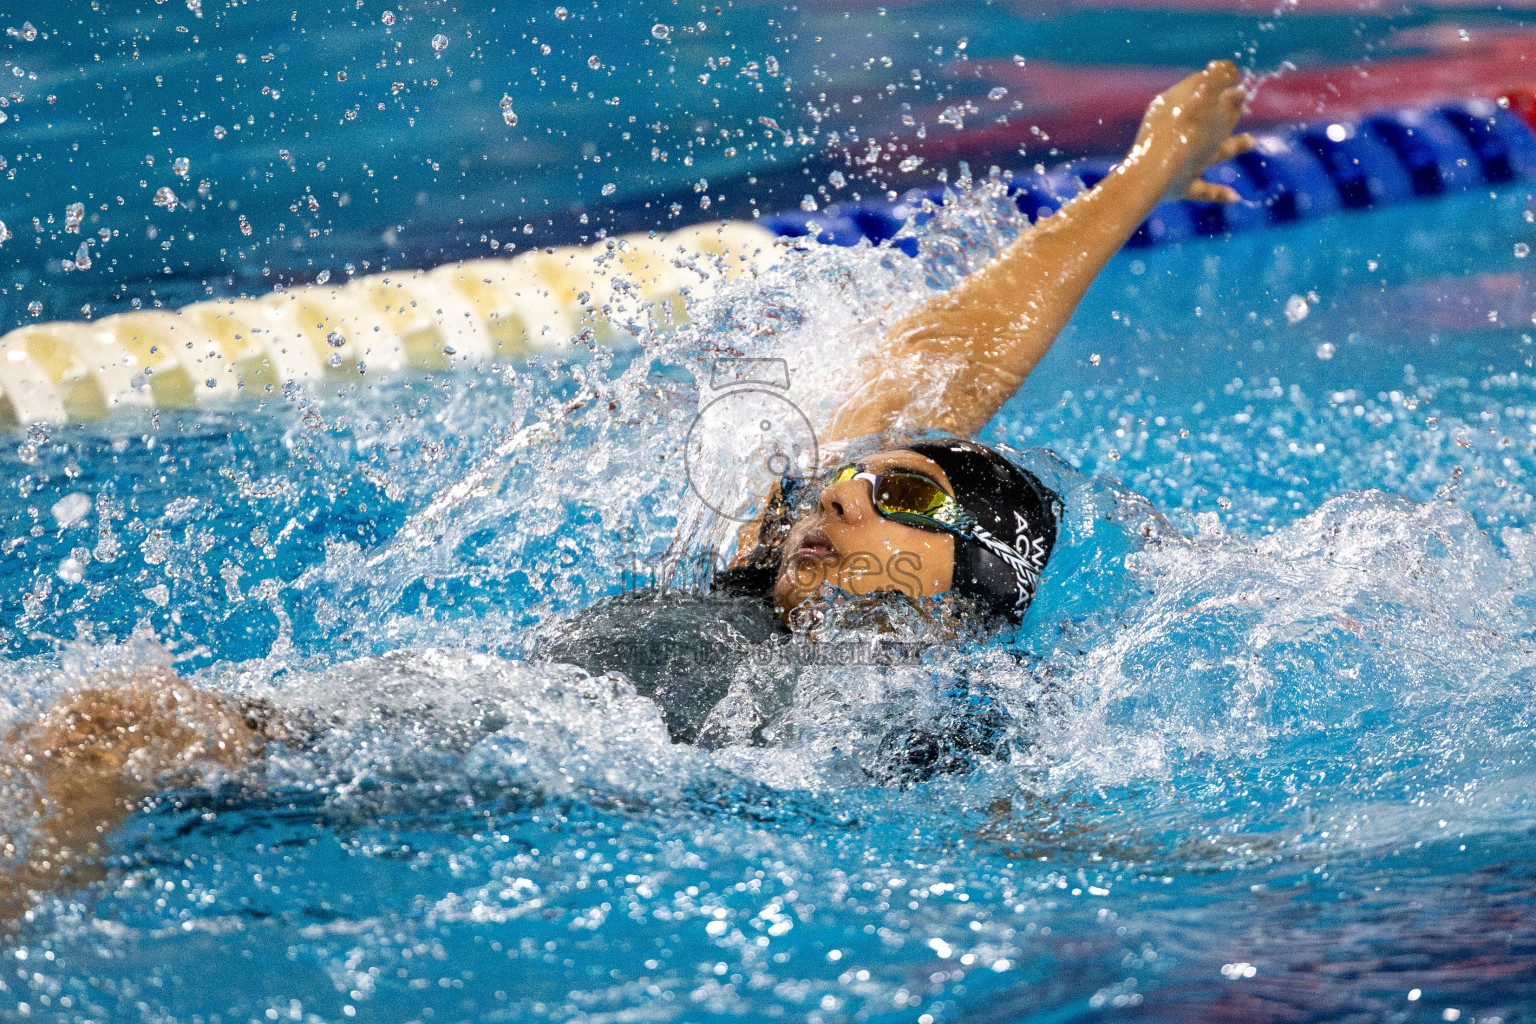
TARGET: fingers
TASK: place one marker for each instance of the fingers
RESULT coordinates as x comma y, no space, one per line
1206,192
1234,101
1237,145
1222,73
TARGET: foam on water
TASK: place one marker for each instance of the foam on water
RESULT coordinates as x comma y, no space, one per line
1371,614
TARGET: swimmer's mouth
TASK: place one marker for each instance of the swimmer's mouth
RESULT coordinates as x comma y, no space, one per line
816,546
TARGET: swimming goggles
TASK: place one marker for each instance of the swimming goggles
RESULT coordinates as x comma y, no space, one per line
910,499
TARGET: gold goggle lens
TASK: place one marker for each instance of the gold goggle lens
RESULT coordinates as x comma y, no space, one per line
900,492
914,495
842,475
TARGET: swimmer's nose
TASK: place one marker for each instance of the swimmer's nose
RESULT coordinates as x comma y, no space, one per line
848,501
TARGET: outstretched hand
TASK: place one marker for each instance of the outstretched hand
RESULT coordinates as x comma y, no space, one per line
89,761
968,350
1188,129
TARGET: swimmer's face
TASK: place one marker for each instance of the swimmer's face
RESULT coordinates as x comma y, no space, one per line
843,541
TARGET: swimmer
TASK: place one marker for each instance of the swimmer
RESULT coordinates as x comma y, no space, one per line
943,514
972,521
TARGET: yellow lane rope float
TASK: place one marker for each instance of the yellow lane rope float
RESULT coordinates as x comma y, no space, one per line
393,322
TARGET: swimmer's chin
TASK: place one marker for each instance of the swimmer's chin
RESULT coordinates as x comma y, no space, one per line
829,612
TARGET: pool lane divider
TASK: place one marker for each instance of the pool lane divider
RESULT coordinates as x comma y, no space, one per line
1381,159
467,313
479,310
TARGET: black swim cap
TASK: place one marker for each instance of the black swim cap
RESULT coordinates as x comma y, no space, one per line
998,562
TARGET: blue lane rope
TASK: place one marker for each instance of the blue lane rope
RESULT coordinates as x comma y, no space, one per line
1386,158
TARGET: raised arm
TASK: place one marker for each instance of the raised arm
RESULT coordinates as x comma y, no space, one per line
987,333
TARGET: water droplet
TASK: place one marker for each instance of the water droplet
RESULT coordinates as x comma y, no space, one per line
837,179
998,93
335,359
507,113
1018,60
595,62
35,308
1522,250
439,42
562,13
660,31
165,197
1095,359
449,350
4,233
245,225
911,163
341,76
1326,350
610,188
388,17
335,339
1296,309
71,509
181,165
219,131
211,382
808,204
322,277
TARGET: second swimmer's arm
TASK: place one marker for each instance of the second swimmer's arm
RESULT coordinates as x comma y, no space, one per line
994,326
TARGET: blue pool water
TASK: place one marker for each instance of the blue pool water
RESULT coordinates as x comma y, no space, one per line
1273,713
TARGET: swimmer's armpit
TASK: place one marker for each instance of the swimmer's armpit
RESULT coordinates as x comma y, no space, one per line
87,763
1001,320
